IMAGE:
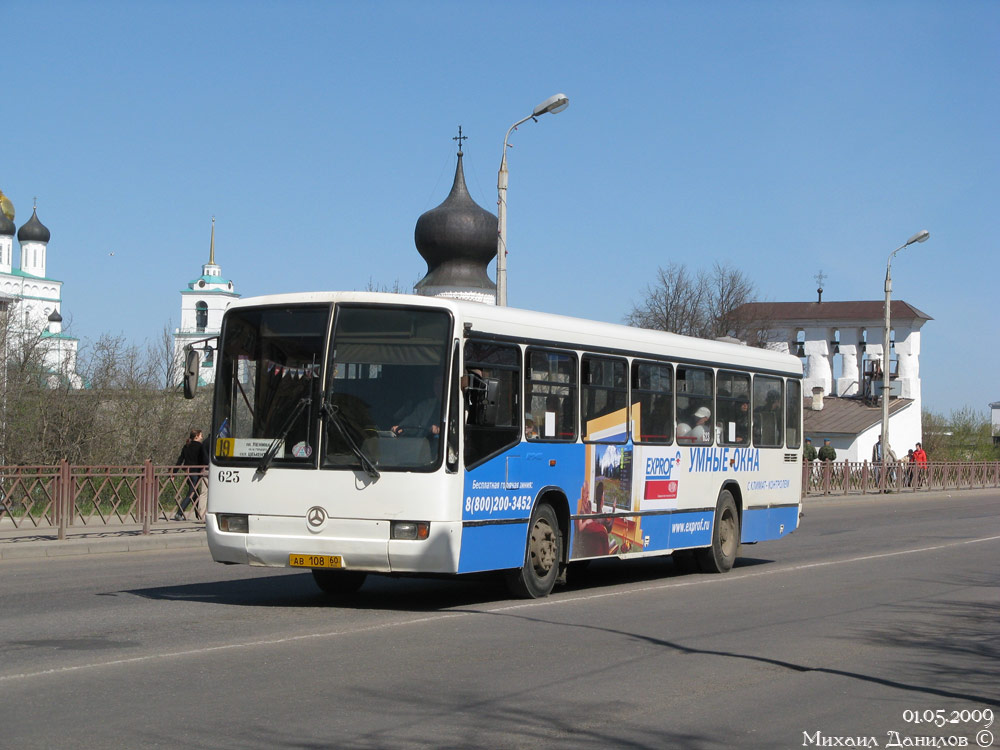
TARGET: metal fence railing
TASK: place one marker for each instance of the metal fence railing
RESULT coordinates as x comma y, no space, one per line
65,495
865,478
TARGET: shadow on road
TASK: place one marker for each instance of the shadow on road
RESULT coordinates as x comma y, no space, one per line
957,653
405,593
948,640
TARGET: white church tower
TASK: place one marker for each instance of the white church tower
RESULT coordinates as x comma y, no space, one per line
202,305
32,300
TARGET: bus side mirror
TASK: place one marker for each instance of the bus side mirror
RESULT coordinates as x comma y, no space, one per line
484,399
191,364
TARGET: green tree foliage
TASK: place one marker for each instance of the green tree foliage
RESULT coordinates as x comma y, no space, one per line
964,436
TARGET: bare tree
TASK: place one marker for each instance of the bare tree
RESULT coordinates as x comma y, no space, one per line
161,355
705,304
674,302
121,415
27,425
729,289
393,288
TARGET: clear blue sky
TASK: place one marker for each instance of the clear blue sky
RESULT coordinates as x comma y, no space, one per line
782,137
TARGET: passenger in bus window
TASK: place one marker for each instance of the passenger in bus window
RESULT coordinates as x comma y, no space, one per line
700,432
738,429
767,421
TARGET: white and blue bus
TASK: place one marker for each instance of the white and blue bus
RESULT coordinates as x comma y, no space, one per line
360,433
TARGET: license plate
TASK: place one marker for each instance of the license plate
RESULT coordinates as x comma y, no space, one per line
315,561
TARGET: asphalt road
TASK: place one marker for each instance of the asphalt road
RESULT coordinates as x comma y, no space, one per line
876,611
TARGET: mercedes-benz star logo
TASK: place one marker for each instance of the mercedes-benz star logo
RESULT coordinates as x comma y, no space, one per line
316,516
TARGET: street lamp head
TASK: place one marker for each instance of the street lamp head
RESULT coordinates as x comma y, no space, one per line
920,236
554,104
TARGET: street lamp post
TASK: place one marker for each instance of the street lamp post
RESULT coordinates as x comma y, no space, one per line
553,104
920,236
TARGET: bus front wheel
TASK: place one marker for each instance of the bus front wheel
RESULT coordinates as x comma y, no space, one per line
720,557
338,582
542,559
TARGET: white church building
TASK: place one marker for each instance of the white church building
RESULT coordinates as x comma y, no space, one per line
31,301
841,346
202,304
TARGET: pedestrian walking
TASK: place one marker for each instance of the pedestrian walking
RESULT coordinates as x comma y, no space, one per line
920,457
193,454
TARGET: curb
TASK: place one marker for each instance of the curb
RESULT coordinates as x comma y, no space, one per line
903,496
129,542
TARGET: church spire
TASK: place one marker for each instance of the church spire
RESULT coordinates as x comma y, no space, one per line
211,249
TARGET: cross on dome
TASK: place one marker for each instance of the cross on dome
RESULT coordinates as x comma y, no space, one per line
460,138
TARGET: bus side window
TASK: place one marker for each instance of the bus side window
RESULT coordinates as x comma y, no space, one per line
653,392
490,398
550,403
768,422
732,408
604,396
695,391
793,413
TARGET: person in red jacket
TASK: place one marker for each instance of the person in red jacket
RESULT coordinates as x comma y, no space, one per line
920,457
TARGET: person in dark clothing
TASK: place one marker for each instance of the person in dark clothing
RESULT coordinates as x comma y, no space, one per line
193,454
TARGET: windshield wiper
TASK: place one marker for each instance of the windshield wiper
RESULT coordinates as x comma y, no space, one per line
333,412
272,449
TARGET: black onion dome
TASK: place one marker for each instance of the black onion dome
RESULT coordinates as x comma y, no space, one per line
55,317
458,239
6,226
33,231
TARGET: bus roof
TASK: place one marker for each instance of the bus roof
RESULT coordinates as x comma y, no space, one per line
560,330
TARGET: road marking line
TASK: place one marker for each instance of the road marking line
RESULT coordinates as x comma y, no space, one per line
468,613
739,576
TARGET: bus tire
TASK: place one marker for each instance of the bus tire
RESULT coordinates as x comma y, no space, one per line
719,558
542,559
338,582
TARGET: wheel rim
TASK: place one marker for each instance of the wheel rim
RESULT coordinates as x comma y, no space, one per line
727,535
544,547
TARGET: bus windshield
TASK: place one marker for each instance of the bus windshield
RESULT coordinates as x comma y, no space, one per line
385,387
270,368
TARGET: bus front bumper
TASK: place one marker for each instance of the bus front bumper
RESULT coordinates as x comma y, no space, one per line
361,544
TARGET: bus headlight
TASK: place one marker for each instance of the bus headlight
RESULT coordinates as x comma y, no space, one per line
410,529
234,523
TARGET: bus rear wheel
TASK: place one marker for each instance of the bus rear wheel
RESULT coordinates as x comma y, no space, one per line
338,582
720,557
542,558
